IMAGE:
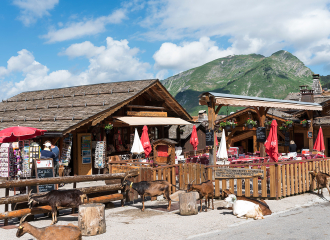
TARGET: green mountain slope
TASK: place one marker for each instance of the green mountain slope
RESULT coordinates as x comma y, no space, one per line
250,75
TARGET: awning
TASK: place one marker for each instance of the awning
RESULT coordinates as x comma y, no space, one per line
140,121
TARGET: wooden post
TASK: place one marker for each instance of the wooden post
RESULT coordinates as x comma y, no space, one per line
187,203
261,112
91,219
211,117
6,206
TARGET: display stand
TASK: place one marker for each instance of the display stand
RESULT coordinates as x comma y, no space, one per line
7,161
66,151
100,155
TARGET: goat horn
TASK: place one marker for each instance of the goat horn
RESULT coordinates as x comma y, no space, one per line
192,181
23,218
29,195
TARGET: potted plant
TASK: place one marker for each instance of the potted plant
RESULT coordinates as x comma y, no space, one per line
288,123
108,128
233,125
304,123
250,123
284,128
181,131
226,125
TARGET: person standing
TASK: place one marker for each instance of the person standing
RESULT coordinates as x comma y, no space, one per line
56,151
292,149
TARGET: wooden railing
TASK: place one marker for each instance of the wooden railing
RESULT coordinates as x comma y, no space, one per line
281,179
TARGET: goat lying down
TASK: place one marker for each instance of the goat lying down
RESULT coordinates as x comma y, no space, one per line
59,232
151,188
244,209
58,198
322,180
262,204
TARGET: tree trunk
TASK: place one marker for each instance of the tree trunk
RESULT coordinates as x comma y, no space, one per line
91,219
187,202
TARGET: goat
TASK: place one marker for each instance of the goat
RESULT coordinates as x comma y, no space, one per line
262,204
150,188
58,198
205,189
60,232
244,209
322,179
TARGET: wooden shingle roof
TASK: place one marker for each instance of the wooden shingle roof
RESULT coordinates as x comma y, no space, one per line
64,108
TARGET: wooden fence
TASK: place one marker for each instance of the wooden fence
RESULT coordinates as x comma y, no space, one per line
281,179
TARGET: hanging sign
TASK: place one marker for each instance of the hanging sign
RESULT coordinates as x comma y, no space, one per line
261,134
209,136
310,134
232,173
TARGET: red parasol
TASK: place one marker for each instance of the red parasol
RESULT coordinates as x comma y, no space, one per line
194,138
13,134
271,143
319,143
145,141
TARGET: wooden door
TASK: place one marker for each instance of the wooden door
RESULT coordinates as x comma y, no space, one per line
299,140
84,153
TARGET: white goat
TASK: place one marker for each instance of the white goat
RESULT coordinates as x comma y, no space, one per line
244,209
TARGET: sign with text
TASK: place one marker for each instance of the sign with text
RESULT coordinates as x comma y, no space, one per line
232,173
44,169
261,134
209,136
309,134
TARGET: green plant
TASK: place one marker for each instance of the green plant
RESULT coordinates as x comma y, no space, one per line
288,122
303,121
234,123
109,126
268,123
224,123
250,121
284,128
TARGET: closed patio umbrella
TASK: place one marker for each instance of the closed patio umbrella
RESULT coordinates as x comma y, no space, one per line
319,142
137,147
222,151
194,139
145,141
271,144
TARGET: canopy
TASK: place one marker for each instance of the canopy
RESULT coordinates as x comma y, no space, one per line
137,147
145,141
138,121
271,144
222,151
194,138
319,143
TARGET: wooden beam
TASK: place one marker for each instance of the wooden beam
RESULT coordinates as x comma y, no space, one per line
147,114
242,136
218,109
280,133
231,134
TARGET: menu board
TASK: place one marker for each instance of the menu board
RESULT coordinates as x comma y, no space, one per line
287,139
86,149
100,154
44,169
261,134
209,138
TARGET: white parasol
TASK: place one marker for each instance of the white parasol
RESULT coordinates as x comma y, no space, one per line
137,147
222,151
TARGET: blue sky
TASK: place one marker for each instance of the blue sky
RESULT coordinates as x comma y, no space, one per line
56,43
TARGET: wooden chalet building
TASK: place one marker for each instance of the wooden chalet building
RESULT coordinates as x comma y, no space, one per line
81,112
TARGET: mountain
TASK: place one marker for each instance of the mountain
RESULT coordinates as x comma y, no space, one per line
325,81
250,75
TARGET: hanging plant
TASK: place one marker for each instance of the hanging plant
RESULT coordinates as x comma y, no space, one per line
233,124
288,123
304,123
268,123
108,128
181,131
226,125
250,123
283,128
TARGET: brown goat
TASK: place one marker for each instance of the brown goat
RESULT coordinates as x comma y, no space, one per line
262,204
151,188
205,189
60,232
322,179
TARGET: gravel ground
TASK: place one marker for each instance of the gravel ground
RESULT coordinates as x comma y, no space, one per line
130,223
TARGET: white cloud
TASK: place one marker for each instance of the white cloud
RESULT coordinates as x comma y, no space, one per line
114,62
252,27
31,10
75,30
